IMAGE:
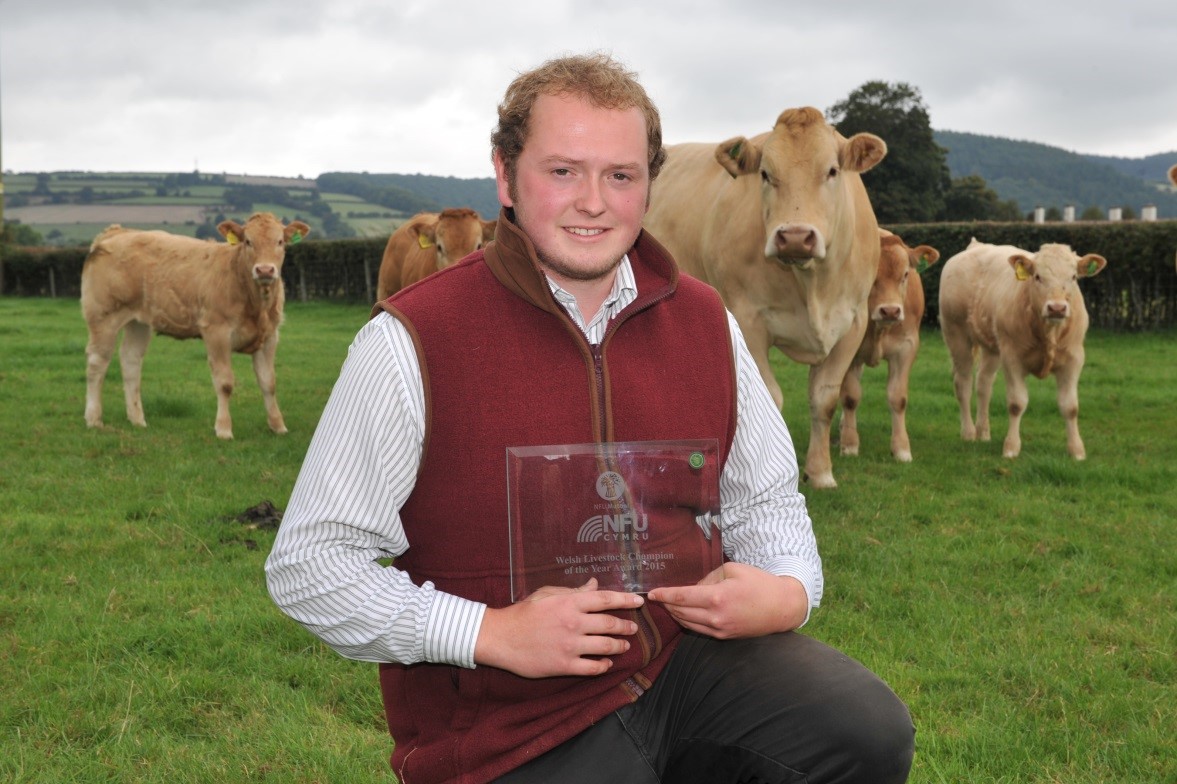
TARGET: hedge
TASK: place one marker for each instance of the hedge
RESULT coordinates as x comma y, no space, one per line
1137,290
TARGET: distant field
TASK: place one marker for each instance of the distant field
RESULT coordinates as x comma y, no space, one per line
104,214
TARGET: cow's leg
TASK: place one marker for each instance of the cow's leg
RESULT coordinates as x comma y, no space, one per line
220,362
99,350
1067,377
263,368
851,396
136,336
1017,399
825,383
898,375
961,351
759,342
986,373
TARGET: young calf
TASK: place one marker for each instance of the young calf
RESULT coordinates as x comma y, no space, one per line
229,294
896,307
1023,311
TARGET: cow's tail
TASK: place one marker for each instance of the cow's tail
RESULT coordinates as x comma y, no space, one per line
113,228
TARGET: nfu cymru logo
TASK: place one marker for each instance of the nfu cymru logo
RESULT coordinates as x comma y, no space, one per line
620,527
623,527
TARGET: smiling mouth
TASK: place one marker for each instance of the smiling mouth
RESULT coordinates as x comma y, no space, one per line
584,232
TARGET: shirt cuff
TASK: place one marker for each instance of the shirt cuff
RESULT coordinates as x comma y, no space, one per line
451,630
797,568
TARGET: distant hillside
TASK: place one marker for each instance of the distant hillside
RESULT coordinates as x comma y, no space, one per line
1153,168
412,193
1038,175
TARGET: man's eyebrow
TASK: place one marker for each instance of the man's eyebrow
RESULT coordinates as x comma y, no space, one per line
562,159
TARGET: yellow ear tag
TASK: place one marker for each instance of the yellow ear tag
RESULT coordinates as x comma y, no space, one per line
1021,272
423,241
296,238
231,238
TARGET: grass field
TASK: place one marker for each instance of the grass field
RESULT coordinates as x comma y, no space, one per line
1024,609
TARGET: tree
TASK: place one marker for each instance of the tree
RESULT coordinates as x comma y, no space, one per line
970,198
17,233
911,183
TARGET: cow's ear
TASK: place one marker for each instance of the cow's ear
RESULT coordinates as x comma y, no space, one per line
427,234
1023,266
295,232
1091,264
231,231
738,156
488,230
923,257
862,152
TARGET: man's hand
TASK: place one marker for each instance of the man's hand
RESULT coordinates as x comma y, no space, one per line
737,600
555,631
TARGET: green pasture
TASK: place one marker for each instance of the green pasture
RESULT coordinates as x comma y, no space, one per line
1024,609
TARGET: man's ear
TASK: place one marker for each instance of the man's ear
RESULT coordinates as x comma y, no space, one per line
502,185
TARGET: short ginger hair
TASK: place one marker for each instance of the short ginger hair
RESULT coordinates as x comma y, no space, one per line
597,78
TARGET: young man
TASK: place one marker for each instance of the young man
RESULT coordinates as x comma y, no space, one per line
573,326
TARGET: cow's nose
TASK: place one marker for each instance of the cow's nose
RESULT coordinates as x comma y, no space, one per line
796,239
264,271
890,312
1055,309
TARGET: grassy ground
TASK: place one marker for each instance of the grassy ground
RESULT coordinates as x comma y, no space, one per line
1024,609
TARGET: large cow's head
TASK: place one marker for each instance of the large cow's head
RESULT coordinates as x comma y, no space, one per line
1050,278
455,234
262,244
803,166
897,262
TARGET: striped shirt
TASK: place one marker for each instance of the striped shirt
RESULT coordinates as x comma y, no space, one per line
362,462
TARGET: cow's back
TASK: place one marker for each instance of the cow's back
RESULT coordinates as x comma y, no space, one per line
161,279
975,286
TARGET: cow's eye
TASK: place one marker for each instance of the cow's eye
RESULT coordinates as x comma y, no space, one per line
833,172
764,176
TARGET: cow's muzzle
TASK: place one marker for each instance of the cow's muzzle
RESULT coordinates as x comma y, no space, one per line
796,243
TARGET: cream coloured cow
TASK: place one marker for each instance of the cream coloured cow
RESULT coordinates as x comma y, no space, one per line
1023,311
896,307
781,226
428,242
230,295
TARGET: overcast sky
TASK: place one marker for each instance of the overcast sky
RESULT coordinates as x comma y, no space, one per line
292,87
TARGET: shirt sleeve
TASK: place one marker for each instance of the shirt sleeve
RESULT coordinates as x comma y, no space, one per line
764,519
343,518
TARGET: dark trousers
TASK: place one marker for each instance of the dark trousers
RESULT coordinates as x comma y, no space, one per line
768,710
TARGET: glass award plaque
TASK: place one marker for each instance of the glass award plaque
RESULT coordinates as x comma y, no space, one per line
635,515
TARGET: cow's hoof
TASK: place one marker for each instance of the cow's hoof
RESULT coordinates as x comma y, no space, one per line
903,456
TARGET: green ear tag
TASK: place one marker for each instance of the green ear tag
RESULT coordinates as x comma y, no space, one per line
1092,268
296,238
921,265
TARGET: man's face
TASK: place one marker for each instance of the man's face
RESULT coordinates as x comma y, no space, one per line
581,185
